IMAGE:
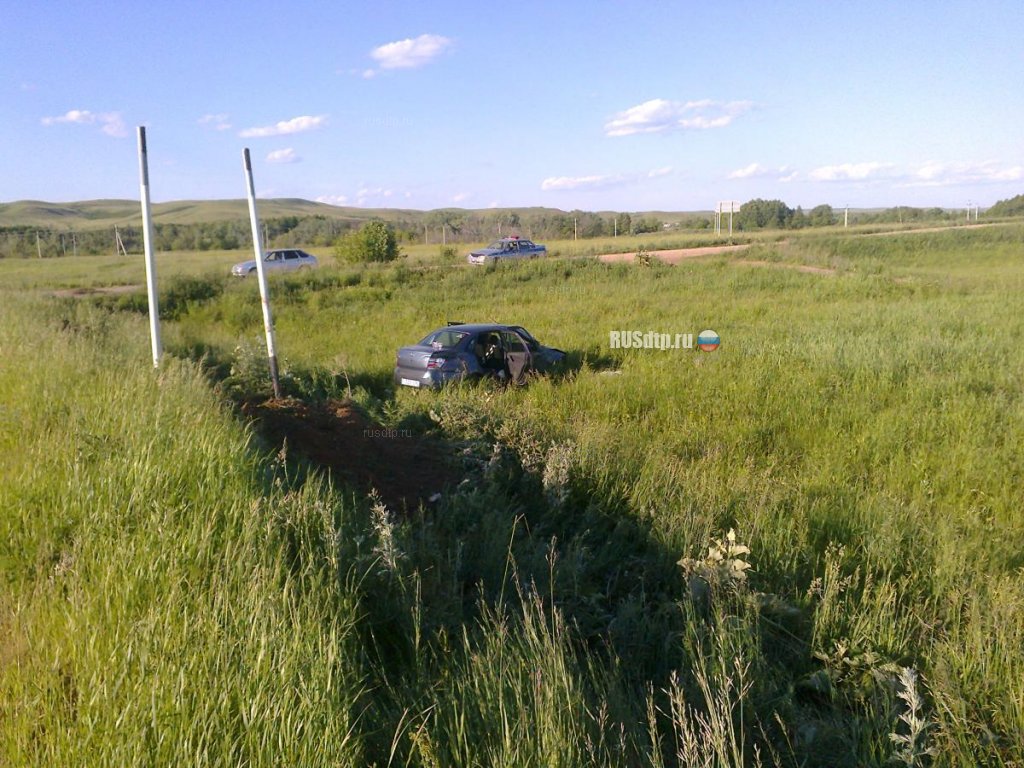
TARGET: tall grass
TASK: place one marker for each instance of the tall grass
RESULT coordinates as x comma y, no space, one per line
163,602
858,430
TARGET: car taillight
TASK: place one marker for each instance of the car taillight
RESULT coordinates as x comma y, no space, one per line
442,363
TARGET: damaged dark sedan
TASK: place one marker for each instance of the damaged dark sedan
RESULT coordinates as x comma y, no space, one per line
469,351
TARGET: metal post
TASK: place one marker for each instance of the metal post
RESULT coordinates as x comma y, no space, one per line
147,238
261,275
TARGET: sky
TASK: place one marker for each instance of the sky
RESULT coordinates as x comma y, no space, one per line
591,105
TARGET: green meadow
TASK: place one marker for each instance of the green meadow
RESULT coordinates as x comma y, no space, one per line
802,549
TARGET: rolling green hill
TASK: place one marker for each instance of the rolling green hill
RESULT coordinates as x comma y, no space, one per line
94,214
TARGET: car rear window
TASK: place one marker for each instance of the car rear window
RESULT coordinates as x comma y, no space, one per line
445,339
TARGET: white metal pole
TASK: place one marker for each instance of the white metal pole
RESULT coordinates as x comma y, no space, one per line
261,275
147,239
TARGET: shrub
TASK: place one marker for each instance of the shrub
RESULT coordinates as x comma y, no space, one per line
375,241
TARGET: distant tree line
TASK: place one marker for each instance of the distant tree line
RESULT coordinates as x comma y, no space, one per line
1014,206
28,241
447,225
775,214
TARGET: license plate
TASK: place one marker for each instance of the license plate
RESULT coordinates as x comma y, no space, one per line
410,383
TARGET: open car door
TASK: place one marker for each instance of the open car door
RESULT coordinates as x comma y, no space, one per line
518,359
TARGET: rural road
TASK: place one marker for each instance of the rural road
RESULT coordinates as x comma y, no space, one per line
677,255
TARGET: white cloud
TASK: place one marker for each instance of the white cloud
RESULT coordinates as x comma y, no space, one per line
850,171
597,181
283,156
460,197
758,171
749,172
658,115
110,123
411,52
333,199
577,182
366,194
285,127
934,174
218,122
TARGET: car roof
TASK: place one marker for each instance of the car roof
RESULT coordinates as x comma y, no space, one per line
477,327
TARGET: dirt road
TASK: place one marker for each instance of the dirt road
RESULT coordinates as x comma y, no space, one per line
677,255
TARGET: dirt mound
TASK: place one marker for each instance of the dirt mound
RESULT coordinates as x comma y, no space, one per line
405,469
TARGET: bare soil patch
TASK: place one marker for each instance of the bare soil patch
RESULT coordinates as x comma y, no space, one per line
677,255
405,469
108,290
809,269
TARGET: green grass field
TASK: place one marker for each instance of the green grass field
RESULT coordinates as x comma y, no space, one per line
179,590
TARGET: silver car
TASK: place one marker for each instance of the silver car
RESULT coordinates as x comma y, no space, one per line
280,260
470,351
514,247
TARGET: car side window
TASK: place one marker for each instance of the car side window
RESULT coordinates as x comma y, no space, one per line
291,255
512,342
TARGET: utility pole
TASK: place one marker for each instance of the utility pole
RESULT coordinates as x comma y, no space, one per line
268,320
147,235
574,231
39,250
119,249
846,217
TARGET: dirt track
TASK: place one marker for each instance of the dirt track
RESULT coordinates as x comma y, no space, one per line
677,255
110,290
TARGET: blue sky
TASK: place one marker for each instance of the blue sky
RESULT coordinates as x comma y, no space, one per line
593,105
